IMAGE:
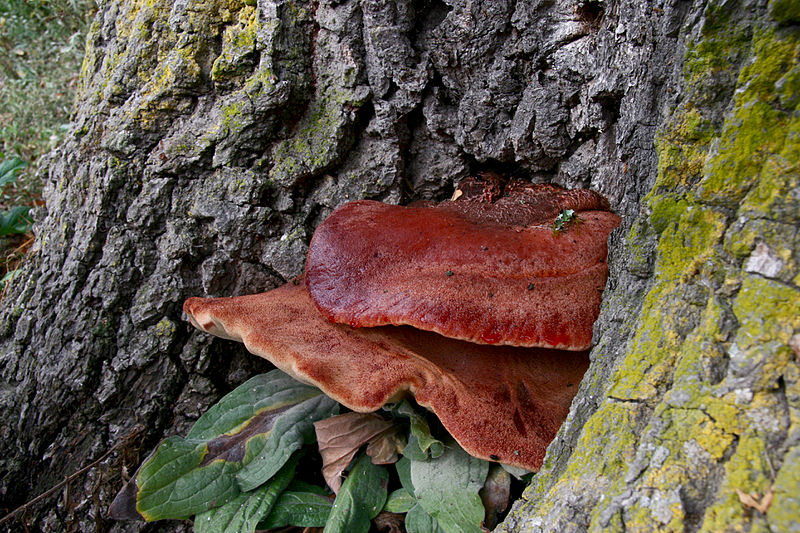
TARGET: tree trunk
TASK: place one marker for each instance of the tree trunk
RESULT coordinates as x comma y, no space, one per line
210,138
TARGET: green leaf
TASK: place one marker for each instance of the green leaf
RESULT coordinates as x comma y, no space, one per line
403,466
421,443
273,390
9,170
10,275
418,521
266,453
243,513
447,488
173,484
300,509
361,498
298,485
187,476
399,501
15,221
516,471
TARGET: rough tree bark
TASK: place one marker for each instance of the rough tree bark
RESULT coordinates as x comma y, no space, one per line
211,136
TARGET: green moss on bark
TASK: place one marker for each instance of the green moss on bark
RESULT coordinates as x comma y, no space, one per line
701,393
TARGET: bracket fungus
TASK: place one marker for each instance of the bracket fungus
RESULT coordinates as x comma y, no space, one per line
478,268
499,402
475,306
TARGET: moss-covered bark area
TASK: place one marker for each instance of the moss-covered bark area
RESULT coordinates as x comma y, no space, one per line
705,403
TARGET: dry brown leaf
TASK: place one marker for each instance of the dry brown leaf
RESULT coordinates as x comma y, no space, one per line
495,494
339,438
384,448
751,500
387,522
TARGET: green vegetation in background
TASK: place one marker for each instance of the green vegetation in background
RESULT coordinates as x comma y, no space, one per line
41,48
15,220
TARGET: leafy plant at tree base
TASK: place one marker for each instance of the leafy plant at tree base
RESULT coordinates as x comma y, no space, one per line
10,169
238,469
13,221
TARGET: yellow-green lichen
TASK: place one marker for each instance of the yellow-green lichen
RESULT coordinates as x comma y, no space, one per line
238,45
767,311
320,137
756,129
699,395
749,471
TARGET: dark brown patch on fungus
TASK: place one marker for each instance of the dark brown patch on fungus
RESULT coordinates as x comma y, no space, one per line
499,402
372,264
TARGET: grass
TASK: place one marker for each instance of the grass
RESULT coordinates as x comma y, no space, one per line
41,48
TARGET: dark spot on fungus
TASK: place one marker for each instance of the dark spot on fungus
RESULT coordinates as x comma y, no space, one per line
449,273
494,457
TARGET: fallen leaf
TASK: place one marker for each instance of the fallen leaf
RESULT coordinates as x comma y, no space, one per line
495,494
751,500
389,522
384,449
340,437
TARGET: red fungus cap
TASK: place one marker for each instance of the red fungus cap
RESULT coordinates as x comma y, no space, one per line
488,267
499,402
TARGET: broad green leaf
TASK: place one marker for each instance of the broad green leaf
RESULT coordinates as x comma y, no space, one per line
418,521
300,509
14,221
188,476
271,391
420,442
361,498
10,275
403,466
266,453
399,501
9,170
298,485
242,514
447,488
177,482
517,471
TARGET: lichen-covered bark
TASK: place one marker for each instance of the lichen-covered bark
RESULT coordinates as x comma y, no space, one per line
705,399
212,136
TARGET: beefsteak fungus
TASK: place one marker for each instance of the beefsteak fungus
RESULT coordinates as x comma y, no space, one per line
481,307
499,402
487,267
